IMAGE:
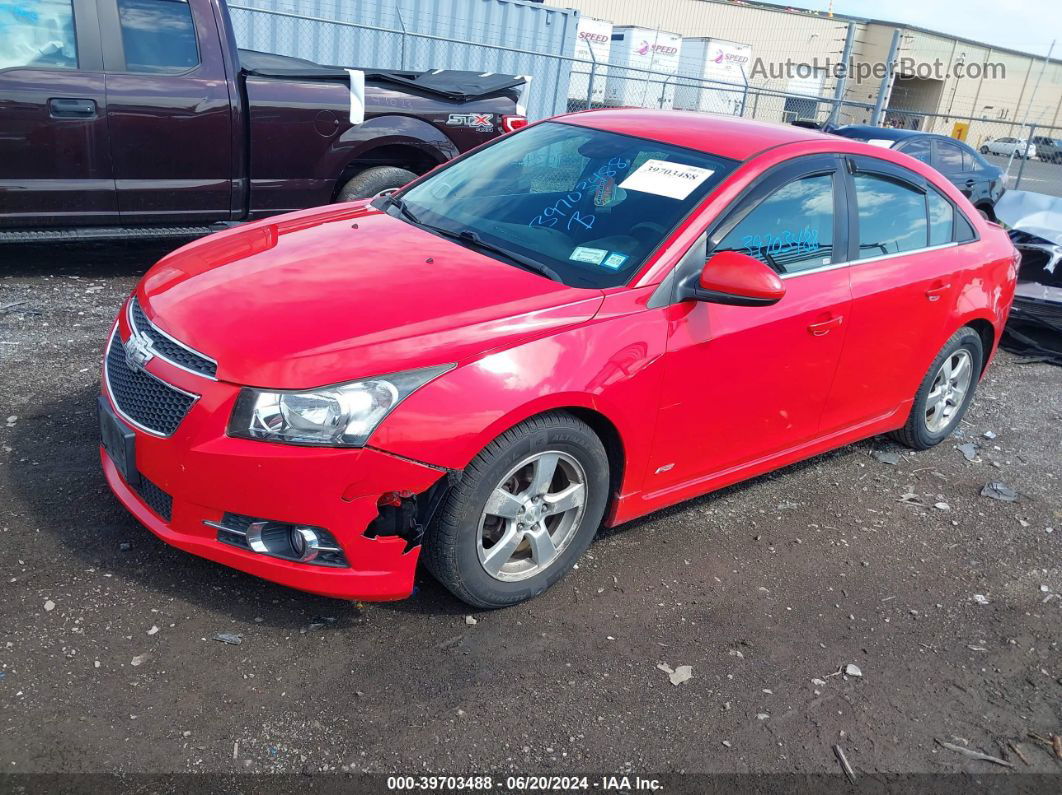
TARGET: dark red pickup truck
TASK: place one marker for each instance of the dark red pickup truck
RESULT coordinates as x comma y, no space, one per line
130,117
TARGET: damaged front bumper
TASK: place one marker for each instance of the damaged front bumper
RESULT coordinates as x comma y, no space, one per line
203,491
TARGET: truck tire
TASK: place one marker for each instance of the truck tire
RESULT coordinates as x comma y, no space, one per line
372,181
522,514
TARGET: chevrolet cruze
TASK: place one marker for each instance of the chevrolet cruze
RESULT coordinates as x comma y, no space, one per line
575,325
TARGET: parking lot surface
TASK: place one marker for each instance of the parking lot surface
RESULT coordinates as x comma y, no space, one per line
946,601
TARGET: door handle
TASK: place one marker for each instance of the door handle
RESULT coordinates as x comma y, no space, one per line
71,108
819,329
936,291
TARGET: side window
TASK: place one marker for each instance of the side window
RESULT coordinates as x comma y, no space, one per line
949,158
941,219
892,216
791,230
918,149
38,34
158,36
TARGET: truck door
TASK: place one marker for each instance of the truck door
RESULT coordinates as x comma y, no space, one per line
55,166
168,109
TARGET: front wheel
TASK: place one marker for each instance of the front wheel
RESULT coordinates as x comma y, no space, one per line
945,392
371,182
984,150
522,513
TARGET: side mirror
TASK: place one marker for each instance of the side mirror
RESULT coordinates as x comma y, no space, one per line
731,277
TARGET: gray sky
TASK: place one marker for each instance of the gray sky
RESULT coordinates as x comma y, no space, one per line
1027,25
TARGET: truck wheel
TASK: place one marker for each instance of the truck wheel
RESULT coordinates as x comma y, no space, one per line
373,181
945,393
522,513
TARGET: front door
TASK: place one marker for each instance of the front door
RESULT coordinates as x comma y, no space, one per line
55,163
744,383
169,111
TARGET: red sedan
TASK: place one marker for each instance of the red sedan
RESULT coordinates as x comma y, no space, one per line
582,322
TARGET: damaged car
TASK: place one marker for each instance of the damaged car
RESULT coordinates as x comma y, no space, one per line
1035,324
575,325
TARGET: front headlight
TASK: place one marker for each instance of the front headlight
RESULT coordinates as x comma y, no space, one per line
335,416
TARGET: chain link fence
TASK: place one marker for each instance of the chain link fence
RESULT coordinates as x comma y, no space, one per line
1029,154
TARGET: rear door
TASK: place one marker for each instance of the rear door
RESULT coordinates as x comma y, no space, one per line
55,165
169,111
903,290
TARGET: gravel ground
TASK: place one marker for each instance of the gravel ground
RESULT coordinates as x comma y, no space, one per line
945,600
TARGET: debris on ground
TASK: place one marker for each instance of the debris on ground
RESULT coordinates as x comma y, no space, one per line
990,434
681,674
999,491
942,506
49,606
847,768
471,621
980,598
154,629
887,456
851,669
316,623
229,637
995,760
1016,748
140,659
969,451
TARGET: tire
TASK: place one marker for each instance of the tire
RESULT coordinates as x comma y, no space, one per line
372,181
458,544
984,150
922,430
986,214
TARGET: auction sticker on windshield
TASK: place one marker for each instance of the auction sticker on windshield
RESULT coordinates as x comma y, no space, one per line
674,180
586,254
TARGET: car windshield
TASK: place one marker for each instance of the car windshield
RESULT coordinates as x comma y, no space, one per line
590,206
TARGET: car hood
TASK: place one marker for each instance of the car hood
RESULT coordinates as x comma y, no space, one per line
335,294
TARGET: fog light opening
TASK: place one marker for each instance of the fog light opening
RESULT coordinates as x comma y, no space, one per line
305,544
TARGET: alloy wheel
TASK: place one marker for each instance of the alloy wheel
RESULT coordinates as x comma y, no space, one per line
948,392
531,516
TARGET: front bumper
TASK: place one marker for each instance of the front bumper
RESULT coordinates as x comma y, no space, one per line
207,474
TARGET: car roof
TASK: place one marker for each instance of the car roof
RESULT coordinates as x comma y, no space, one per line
725,136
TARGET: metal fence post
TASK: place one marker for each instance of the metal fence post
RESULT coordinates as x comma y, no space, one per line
886,80
842,80
1029,147
590,88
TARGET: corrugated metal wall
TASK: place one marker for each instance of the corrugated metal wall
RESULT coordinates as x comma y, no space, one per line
470,34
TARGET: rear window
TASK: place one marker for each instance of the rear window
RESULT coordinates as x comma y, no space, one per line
158,36
941,219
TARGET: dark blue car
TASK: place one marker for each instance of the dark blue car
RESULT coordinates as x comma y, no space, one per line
980,181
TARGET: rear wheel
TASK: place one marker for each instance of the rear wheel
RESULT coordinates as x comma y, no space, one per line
945,392
522,513
984,150
373,181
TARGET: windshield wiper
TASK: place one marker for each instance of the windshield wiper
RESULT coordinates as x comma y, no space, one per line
468,237
399,204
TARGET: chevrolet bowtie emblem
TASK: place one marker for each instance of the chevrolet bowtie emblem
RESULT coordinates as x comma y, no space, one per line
138,352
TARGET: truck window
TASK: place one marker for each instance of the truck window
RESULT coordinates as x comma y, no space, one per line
158,36
38,34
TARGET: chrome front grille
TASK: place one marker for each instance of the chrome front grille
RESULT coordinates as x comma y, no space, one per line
166,347
146,401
